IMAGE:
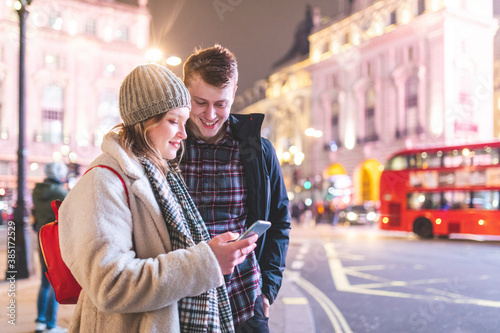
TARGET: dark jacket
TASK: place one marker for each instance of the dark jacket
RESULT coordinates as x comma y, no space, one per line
43,194
267,198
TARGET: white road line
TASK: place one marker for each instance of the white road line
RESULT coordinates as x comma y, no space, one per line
297,265
339,275
337,320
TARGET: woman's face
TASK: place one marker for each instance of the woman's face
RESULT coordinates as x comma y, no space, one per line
167,136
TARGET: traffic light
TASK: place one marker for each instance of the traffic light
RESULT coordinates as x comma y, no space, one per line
307,185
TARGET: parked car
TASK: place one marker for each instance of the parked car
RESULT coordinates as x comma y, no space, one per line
358,214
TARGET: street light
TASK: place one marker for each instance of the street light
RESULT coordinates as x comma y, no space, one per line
21,266
157,56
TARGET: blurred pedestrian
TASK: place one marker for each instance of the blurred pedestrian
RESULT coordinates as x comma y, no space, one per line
295,212
52,188
235,178
148,265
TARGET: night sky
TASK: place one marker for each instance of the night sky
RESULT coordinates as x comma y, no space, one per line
258,32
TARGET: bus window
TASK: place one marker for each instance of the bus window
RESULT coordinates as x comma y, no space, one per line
453,159
482,157
495,155
485,200
433,161
415,201
412,161
397,163
421,200
460,200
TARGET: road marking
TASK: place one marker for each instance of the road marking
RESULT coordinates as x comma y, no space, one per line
300,256
337,320
297,265
299,262
295,301
341,281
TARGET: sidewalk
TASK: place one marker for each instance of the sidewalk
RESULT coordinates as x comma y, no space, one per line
290,312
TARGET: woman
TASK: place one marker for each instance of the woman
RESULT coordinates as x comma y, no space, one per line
150,266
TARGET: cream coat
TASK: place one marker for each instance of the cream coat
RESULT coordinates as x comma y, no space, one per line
131,280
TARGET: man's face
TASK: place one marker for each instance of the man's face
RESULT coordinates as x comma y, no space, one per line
210,107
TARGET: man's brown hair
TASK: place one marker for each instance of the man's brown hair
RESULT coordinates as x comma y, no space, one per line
215,65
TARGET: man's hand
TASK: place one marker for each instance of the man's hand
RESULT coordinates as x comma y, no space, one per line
266,305
230,254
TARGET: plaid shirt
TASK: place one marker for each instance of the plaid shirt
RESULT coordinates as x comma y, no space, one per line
214,176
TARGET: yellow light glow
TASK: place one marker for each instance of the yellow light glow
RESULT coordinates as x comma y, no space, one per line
385,220
292,149
286,156
57,156
438,221
73,27
34,166
107,34
405,16
174,61
50,59
72,157
17,5
335,47
298,158
355,38
316,56
310,131
154,55
466,152
65,150
480,222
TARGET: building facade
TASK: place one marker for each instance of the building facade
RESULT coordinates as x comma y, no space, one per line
77,54
392,75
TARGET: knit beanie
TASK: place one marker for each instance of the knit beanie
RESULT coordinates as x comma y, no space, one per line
56,171
150,90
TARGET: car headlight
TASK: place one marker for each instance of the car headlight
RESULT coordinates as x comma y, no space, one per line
371,216
352,216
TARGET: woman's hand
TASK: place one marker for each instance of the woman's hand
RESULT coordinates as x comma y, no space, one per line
230,254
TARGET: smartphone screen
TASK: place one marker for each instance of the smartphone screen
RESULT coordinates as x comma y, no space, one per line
259,227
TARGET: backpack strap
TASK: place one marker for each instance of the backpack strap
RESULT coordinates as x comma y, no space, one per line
115,172
55,207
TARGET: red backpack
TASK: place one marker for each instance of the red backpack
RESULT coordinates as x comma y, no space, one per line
66,288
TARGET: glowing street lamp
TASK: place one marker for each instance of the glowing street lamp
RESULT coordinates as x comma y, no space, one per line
156,55
173,61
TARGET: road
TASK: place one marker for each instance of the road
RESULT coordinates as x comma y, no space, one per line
360,279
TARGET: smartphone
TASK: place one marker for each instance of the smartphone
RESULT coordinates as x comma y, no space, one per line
259,227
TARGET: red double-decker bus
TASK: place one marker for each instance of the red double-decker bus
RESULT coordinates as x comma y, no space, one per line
442,190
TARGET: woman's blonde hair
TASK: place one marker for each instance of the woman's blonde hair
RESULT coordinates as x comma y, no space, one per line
135,139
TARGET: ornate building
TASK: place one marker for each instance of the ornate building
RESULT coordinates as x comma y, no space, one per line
389,75
77,53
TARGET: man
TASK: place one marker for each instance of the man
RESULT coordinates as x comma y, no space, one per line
235,178
43,194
